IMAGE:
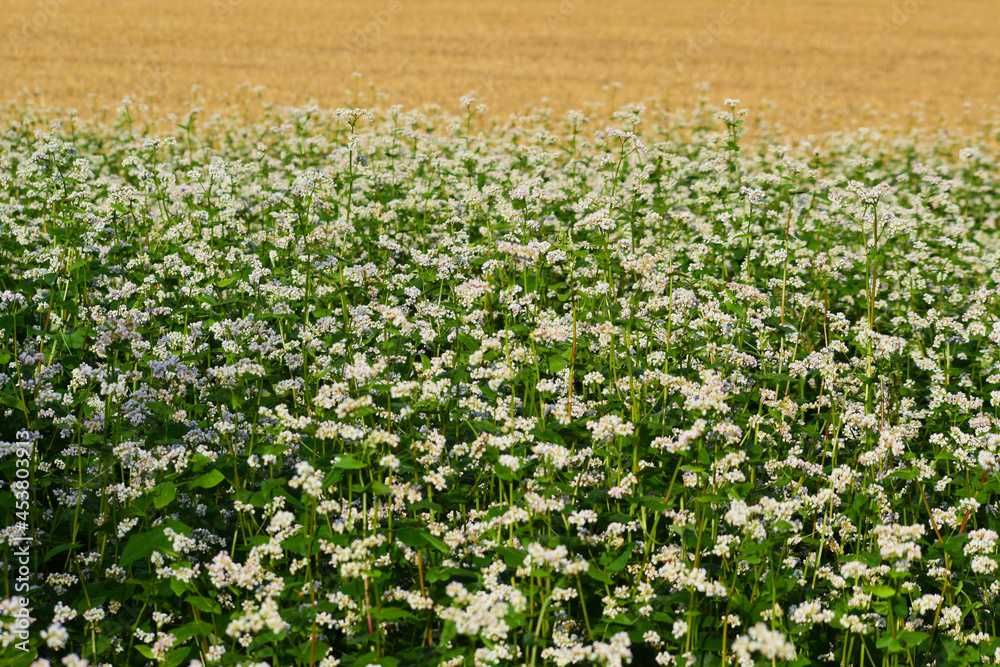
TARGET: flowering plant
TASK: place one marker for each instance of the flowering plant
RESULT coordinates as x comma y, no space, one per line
402,388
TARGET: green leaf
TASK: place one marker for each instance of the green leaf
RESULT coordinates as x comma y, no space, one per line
884,592
176,656
76,339
204,604
911,638
905,473
268,490
410,537
618,564
164,494
298,543
416,537
436,542
436,574
178,587
142,545
891,644
557,363
391,614
348,462
447,633
598,574
56,550
192,629
512,557
622,619
20,659
654,503
208,480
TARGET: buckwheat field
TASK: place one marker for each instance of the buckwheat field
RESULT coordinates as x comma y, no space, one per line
396,387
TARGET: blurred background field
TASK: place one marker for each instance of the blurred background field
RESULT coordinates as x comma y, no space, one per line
812,66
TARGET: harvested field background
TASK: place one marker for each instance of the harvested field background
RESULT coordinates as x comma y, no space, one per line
823,64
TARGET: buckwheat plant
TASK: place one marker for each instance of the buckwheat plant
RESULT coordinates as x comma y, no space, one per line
392,387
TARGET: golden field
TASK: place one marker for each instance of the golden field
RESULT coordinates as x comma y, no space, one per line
821,64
